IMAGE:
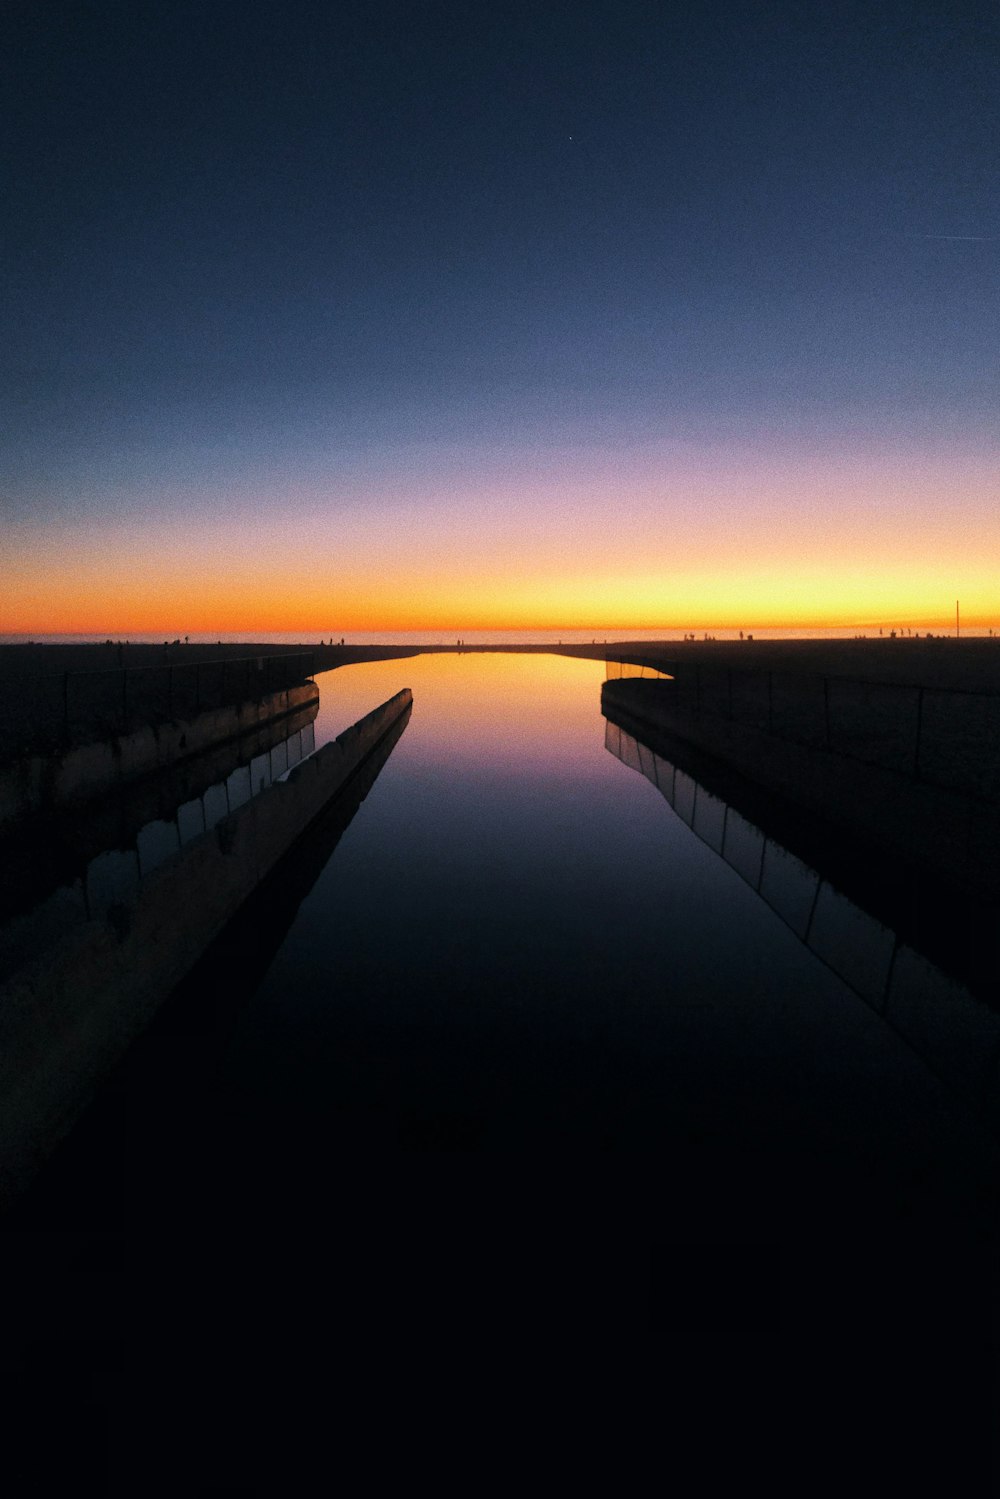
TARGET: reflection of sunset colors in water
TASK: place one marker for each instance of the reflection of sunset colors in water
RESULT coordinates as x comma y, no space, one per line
484,714
506,940
516,942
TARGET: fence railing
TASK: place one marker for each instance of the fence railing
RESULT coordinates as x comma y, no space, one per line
117,700
948,737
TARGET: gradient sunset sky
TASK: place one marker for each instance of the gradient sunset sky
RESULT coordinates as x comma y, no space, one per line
343,317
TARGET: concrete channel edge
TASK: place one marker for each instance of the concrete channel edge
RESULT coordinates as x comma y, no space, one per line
68,1016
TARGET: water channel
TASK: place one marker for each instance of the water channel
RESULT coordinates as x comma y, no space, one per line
514,944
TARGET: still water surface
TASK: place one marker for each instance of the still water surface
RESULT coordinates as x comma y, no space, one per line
518,945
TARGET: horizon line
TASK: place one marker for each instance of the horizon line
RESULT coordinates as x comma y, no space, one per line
170,633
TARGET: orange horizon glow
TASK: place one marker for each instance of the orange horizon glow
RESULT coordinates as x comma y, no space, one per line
678,542
261,621
184,607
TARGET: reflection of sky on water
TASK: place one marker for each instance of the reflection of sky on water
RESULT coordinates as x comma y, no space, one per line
111,878
156,842
789,887
481,713
514,931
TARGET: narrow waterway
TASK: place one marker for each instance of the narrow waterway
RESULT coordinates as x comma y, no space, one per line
517,945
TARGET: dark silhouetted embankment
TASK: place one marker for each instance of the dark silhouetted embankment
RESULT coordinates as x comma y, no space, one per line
43,785
51,695
914,957
914,816
70,1011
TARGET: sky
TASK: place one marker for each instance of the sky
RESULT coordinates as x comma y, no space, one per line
357,317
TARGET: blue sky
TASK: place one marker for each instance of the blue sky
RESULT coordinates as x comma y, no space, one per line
343,252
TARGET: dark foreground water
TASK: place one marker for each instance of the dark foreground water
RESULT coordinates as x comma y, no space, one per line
509,1048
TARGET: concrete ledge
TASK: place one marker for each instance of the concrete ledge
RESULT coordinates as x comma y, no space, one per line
67,1017
37,784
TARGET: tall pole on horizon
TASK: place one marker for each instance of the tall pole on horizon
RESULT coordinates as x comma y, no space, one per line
956,619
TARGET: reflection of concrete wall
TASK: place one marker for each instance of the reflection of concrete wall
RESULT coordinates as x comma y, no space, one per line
85,849
66,1017
41,784
956,1034
949,835
48,883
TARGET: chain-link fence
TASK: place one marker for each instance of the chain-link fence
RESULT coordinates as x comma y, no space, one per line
944,736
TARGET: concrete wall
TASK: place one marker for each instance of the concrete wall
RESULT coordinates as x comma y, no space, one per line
39,784
946,834
67,1016
61,871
